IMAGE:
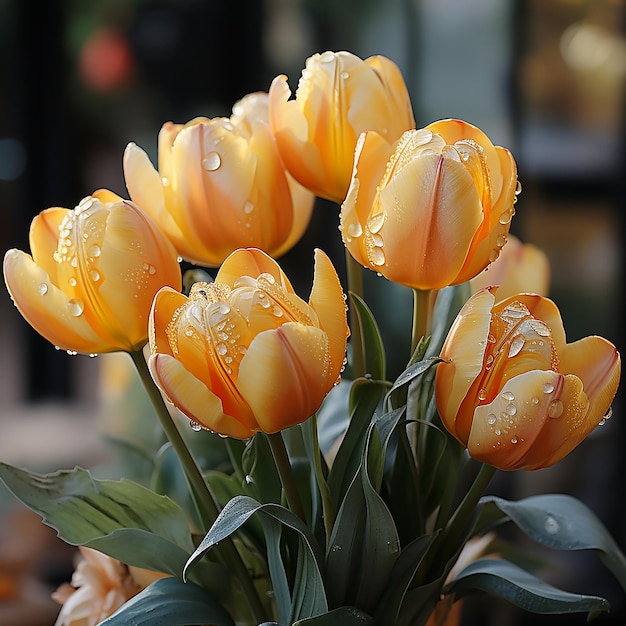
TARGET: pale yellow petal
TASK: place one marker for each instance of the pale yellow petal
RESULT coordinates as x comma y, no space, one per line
284,374
165,305
192,398
251,262
47,309
44,238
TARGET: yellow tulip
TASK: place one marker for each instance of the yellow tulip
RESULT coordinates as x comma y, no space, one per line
339,96
520,268
221,185
513,391
431,210
94,270
245,353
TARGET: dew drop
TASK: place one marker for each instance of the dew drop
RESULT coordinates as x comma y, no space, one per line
327,57
335,548
518,188
221,348
345,75
547,388
95,275
94,250
507,395
511,410
501,241
43,289
555,409
375,223
513,440
551,525
195,426
354,229
72,281
248,208
211,161
249,480
489,362
76,307
482,394
378,256
72,352
491,419
535,400
493,255
516,345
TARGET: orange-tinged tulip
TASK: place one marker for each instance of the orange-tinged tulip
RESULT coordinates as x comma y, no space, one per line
220,185
94,270
245,353
431,210
513,391
520,268
339,96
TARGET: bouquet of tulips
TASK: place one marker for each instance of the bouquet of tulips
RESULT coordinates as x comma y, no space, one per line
316,491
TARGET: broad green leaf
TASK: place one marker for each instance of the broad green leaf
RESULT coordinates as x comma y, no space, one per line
508,581
310,596
402,574
411,373
343,616
562,522
170,602
371,340
123,519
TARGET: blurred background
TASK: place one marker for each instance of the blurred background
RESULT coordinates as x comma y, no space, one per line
82,78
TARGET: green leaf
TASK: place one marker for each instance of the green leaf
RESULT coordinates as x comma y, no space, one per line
120,518
262,481
309,595
343,616
508,581
170,602
365,397
371,340
562,522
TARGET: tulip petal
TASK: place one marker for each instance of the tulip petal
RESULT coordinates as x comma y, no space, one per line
327,299
512,426
165,305
598,365
44,239
251,262
48,309
463,362
190,396
283,375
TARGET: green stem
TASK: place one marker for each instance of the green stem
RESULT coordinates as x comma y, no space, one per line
283,465
355,285
422,306
203,496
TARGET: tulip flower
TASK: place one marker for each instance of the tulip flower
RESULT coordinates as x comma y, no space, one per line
221,185
339,96
513,391
520,268
245,353
431,210
89,284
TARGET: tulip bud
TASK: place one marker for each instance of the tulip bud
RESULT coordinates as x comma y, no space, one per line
339,96
245,353
513,391
89,284
520,268
221,185
431,210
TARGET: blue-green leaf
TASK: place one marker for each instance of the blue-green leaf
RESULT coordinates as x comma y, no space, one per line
343,616
170,602
370,338
508,581
562,522
120,518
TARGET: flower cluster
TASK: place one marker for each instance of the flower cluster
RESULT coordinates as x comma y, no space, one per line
341,497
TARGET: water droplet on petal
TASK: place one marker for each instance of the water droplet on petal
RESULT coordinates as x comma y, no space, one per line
482,394
43,289
501,241
76,307
72,281
211,161
507,395
491,419
95,275
248,208
195,426
345,75
511,410
516,345
354,229
221,348
547,388
555,409
94,251
378,256
375,223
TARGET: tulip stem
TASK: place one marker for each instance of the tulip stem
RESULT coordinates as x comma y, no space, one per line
285,471
204,498
422,308
355,285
